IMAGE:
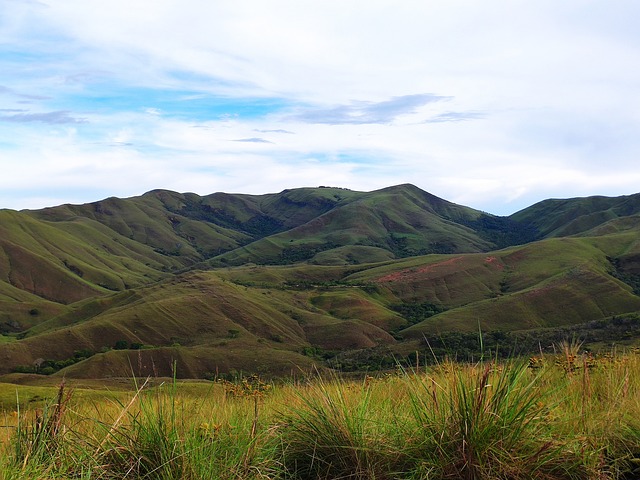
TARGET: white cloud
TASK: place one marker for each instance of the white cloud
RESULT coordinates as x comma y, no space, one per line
525,99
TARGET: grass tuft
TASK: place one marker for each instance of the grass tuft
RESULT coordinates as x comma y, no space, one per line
486,422
39,434
334,433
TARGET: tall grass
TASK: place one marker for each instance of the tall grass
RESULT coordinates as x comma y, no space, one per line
490,420
338,431
40,436
486,421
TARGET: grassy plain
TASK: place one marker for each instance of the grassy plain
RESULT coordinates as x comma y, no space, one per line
567,416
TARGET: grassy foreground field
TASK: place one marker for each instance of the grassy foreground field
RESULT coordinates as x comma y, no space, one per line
569,416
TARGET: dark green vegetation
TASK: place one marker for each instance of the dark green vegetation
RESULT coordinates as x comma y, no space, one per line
230,283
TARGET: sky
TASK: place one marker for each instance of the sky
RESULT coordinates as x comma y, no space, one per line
491,104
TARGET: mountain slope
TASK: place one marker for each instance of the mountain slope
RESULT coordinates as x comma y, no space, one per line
288,312
78,251
66,261
125,285
402,220
199,311
561,218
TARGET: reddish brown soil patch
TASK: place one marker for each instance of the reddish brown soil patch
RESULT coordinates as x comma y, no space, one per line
494,262
411,273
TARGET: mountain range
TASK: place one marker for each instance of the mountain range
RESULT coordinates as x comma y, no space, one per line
216,284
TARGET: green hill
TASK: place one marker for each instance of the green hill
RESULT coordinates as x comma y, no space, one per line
272,283
67,253
403,221
561,218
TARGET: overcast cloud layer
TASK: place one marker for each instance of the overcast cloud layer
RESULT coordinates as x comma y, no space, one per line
494,105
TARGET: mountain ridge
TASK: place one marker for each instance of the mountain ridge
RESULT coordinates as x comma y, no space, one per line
294,275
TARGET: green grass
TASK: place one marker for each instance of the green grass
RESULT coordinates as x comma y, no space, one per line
567,416
488,423
334,433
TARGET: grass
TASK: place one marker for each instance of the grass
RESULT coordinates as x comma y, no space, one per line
489,422
568,416
340,430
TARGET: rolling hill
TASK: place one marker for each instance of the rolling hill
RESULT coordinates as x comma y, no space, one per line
561,218
274,283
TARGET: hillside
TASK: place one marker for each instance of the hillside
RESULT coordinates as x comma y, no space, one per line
561,218
402,221
68,253
272,283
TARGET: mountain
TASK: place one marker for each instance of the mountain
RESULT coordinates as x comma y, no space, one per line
561,218
272,283
393,222
71,252
611,218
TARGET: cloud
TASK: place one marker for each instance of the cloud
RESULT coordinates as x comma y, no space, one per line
279,130
252,140
14,93
363,112
456,117
550,81
56,118
84,77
